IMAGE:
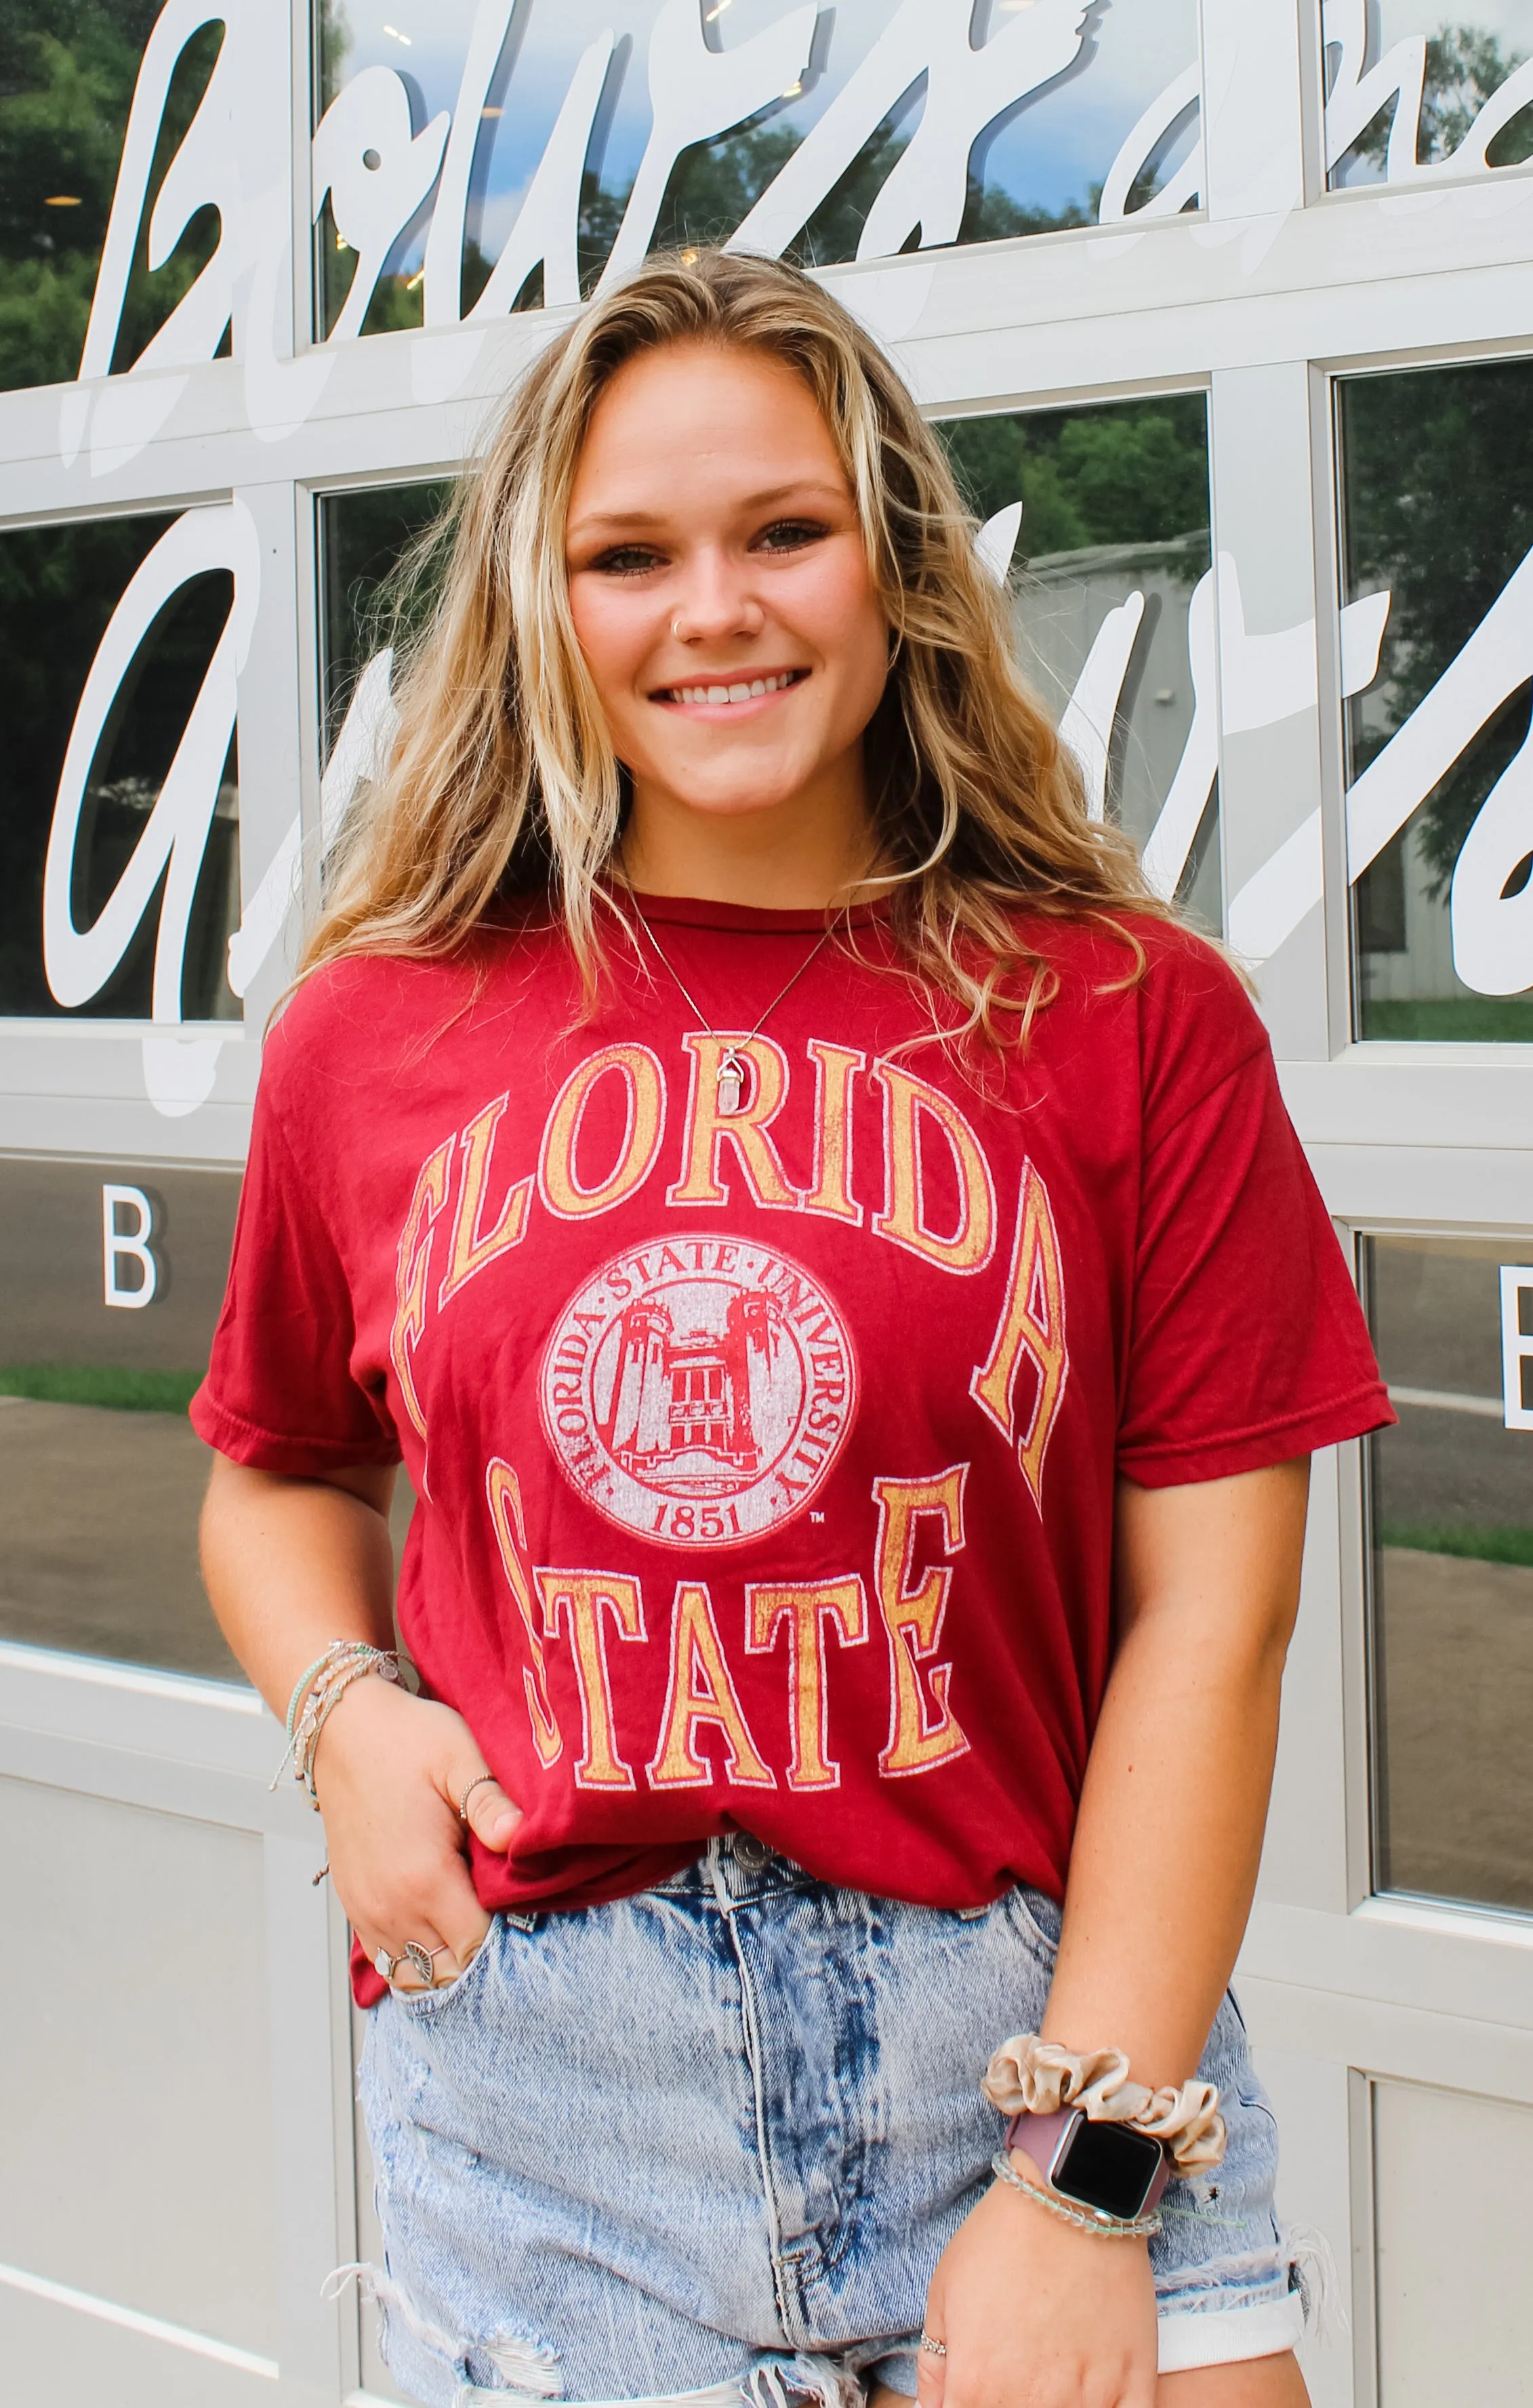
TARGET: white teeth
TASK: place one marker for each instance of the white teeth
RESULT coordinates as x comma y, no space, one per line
740,692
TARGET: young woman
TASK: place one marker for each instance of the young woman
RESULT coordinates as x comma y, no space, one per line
830,1251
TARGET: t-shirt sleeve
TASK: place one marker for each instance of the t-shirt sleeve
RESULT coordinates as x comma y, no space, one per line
282,1392
1248,1342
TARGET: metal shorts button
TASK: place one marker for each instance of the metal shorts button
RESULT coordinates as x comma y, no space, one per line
751,1854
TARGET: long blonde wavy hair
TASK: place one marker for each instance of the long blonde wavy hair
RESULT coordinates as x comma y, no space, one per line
502,781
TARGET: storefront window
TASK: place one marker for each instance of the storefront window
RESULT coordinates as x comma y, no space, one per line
1452,1515
59,588
1437,525
111,1282
1409,95
1111,602
367,540
563,118
67,70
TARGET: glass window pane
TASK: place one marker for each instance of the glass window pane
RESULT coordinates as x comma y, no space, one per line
1451,1519
101,1474
1105,585
1406,91
67,69
365,539
58,586
1029,153
1437,519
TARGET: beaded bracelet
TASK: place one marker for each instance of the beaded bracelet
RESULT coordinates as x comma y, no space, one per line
336,1647
316,1694
1086,2219
321,1702
321,1663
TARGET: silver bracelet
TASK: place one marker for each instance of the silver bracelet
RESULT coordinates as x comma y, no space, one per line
1086,2219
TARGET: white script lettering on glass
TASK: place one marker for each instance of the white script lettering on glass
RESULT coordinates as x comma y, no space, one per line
1516,1347
1240,683
1362,89
178,1070
379,169
1492,930
78,962
120,1247
376,171
236,157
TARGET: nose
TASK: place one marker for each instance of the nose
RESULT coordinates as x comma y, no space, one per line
713,601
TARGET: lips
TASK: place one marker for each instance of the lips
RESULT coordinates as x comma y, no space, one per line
717,691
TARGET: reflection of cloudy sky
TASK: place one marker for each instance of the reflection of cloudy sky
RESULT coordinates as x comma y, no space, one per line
1047,155
1509,20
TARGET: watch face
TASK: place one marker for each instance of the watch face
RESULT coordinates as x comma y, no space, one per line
1109,2167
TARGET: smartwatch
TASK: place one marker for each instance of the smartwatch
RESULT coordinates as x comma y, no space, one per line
1109,2167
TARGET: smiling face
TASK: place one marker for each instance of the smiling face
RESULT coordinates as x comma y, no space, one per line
724,604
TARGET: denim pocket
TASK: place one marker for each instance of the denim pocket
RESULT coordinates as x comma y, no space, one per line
1038,1918
427,2005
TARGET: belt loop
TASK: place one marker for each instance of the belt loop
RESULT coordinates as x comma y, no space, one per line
716,1876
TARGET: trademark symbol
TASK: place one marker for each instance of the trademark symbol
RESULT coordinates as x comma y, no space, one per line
816,1517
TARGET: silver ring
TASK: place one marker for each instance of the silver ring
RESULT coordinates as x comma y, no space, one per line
477,1783
423,1960
933,2348
420,1960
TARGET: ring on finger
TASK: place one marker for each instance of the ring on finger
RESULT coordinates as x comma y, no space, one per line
933,2348
477,1783
421,1960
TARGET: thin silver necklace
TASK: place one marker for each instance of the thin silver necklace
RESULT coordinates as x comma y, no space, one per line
731,1072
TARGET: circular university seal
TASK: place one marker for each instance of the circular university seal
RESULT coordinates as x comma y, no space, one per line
698,1389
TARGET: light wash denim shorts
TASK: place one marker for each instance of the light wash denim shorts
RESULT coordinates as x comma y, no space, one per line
707,2143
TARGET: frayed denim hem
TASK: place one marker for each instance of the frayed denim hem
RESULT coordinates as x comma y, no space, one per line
533,2375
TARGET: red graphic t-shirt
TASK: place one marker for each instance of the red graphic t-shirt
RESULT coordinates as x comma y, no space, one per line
766,1431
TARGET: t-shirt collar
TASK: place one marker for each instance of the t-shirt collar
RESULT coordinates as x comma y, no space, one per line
747,919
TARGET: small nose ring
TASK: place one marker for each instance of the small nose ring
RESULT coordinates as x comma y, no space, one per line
676,630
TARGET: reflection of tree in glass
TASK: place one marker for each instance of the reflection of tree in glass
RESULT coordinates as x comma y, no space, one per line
381,553
1438,487
335,42
715,184
1464,66
712,188
67,69
1121,472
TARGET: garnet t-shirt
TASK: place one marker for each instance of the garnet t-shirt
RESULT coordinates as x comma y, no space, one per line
764,1433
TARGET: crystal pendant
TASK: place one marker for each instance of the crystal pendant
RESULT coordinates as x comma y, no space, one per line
731,1082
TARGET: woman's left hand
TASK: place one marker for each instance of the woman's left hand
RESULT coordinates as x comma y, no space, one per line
1037,2313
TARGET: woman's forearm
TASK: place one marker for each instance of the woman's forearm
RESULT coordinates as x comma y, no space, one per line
292,1563
1175,1801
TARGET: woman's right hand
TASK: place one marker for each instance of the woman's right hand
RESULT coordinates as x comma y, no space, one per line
388,1772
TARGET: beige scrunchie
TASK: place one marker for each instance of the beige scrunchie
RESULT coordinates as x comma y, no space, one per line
1028,2077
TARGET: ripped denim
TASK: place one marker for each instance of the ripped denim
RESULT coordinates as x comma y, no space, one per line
706,2144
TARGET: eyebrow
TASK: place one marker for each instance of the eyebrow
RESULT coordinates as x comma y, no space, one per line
751,502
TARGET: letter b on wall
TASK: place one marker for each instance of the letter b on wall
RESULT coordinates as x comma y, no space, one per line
130,1273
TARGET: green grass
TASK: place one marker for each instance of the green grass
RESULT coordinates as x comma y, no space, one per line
1462,1020
100,1383
1508,1544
